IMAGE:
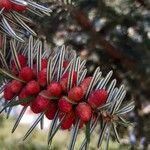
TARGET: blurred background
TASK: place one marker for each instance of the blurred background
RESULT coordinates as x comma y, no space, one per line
113,34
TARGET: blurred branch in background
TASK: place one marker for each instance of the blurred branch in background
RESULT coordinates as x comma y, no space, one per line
144,3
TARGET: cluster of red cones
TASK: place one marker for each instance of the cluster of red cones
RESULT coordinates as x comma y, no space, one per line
49,98
56,85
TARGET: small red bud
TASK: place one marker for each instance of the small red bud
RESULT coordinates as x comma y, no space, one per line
64,105
33,87
15,86
40,104
84,111
97,98
55,89
8,94
76,94
26,74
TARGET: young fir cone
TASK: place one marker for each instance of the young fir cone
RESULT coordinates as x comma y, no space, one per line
40,104
26,74
97,98
68,121
23,62
44,63
84,111
8,94
6,4
64,81
18,8
55,89
42,77
85,84
64,105
16,86
52,109
23,95
33,87
76,94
